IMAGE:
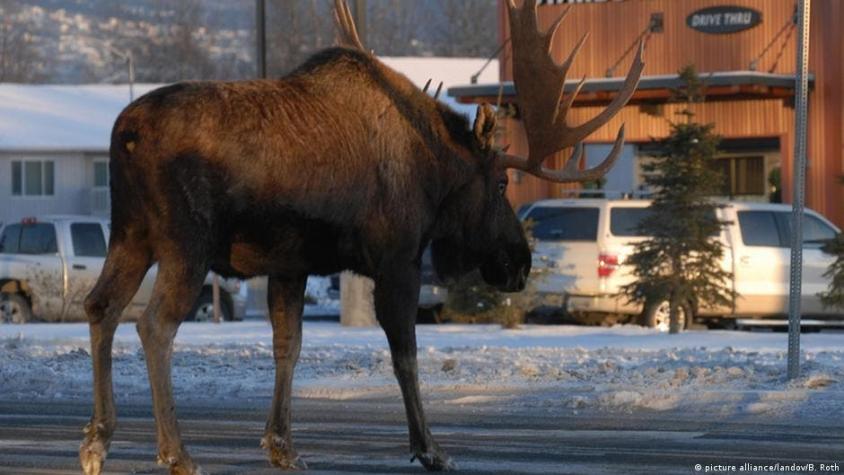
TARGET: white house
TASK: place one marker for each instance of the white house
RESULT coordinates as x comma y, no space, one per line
54,147
54,139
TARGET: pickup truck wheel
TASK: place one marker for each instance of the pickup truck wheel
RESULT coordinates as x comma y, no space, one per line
203,309
658,316
14,309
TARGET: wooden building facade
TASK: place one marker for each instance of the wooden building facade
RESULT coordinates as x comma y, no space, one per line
750,90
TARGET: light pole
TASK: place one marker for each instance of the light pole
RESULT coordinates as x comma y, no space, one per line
126,56
799,190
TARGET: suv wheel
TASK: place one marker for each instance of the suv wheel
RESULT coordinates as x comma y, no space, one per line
203,309
658,316
14,309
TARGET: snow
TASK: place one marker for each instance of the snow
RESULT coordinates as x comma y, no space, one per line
624,368
80,117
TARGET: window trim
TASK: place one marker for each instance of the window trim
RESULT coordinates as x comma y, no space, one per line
22,177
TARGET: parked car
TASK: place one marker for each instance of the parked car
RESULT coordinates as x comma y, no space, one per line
583,244
432,294
49,264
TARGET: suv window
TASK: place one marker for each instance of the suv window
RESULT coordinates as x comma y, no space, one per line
88,240
38,238
625,221
10,239
552,223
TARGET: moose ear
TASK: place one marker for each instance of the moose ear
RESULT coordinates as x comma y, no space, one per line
484,127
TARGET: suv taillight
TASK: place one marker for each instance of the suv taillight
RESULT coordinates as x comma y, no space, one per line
607,264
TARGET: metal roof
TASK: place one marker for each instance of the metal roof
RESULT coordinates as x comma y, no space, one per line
722,83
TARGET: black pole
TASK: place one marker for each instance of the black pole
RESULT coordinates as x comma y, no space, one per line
261,37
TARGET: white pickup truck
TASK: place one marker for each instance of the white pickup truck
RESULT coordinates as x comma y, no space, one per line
49,264
583,244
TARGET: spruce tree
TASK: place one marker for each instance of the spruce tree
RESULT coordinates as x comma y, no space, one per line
680,260
834,295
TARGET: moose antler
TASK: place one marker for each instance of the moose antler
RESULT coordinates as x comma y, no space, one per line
539,84
347,33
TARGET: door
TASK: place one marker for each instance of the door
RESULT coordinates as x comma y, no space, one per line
763,263
566,248
84,264
761,266
816,232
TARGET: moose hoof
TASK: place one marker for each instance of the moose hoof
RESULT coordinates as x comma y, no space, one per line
437,461
93,450
180,465
281,454
92,455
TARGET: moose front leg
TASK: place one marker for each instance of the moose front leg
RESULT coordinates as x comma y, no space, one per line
285,298
396,300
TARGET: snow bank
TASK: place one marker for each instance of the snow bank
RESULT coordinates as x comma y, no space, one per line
624,368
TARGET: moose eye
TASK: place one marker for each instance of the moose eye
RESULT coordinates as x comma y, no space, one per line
502,187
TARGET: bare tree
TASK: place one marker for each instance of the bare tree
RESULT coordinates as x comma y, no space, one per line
395,26
469,28
176,52
295,30
20,61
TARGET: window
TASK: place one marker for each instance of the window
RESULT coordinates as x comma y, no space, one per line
88,240
815,231
564,224
39,238
773,228
625,221
100,174
741,175
33,178
10,239
759,228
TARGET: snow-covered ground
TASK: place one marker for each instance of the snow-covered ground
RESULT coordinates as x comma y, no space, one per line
572,368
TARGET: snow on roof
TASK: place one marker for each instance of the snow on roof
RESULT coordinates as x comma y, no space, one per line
60,117
80,117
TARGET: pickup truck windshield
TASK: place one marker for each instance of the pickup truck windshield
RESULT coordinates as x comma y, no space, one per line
38,238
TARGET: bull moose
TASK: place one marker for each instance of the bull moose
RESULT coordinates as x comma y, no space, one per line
342,164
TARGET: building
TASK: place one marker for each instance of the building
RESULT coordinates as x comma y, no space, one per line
54,139
745,51
54,148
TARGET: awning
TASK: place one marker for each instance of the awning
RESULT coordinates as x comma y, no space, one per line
725,85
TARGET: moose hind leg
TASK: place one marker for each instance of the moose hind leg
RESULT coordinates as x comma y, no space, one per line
176,289
285,298
396,300
124,269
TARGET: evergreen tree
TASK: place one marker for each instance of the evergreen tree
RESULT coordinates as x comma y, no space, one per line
834,295
680,261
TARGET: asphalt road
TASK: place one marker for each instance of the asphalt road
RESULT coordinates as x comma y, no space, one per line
365,436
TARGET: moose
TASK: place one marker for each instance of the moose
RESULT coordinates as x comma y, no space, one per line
341,165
